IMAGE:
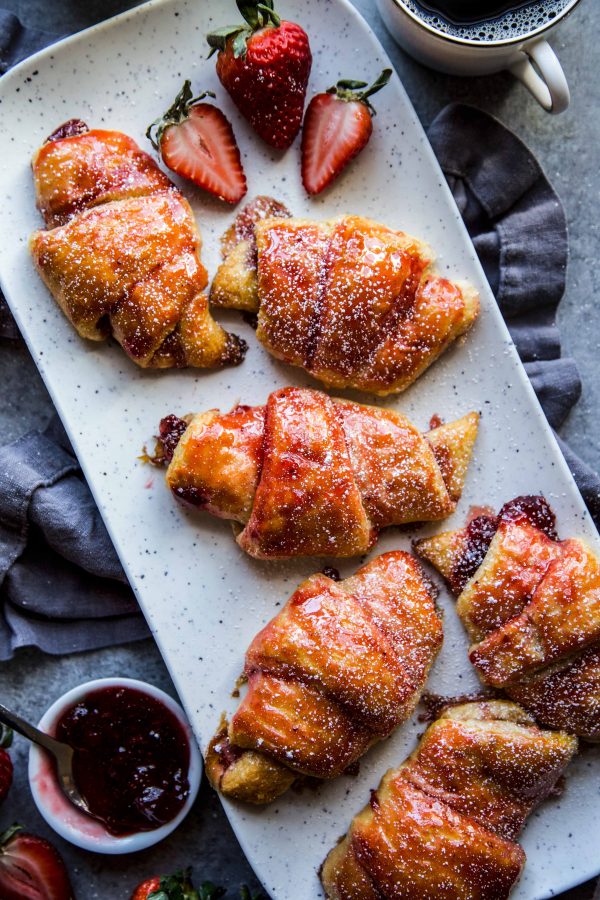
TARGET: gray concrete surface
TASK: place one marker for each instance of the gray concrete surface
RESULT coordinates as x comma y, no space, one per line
569,150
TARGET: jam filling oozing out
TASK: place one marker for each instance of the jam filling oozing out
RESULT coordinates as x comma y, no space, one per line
131,758
481,530
72,128
171,430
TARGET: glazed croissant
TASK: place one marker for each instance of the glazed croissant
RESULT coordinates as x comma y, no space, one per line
444,824
121,253
309,475
340,667
531,606
352,302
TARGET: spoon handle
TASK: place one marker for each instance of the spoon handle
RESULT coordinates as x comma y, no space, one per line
33,734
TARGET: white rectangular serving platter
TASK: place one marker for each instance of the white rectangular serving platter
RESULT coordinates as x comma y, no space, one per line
203,598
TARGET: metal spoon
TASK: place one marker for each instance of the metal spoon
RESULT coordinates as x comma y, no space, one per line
62,753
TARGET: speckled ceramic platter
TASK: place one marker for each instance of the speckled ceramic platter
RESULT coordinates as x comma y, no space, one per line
204,599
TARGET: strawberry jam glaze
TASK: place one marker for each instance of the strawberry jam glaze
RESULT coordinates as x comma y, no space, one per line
131,758
481,530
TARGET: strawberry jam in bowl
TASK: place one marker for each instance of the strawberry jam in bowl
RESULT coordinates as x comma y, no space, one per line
136,764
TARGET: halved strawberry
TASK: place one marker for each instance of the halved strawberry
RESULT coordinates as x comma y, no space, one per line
6,766
337,125
264,63
197,142
31,868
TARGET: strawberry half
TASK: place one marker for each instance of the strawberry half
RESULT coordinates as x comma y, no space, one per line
31,868
264,64
337,125
196,141
6,766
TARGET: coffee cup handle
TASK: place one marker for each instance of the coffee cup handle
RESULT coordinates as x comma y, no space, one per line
542,74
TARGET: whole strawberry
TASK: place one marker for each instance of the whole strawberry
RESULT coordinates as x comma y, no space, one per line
6,766
265,65
175,887
31,868
337,125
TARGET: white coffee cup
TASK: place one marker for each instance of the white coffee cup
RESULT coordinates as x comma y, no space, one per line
529,57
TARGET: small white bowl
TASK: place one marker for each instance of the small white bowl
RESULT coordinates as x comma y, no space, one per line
65,818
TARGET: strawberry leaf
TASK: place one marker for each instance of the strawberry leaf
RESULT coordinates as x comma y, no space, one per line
6,736
217,40
175,887
246,895
178,112
209,891
9,834
269,16
239,45
258,14
351,85
350,90
249,13
378,84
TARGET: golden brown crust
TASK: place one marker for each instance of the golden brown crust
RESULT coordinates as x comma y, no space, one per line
532,610
414,847
308,475
243,774
490,762
77,173
235,284
379,441
452,446
291,252
216,464
339,667
349,300
307,501
122,253
443,823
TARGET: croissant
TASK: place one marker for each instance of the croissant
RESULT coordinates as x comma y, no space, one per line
309,475
352,302
444,823
338,668
121,253
531,606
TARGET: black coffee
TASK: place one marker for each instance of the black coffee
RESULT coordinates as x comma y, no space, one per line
471,11
488,20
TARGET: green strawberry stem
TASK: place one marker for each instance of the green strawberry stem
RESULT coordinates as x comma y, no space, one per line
6,737
208,891
176,887
9,834
177,113
257,14
179,887
246,895
352,90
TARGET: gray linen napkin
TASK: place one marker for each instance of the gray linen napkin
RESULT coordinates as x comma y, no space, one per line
61,585
517,224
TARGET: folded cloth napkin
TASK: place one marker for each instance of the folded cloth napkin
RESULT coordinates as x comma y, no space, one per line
61,585
63,588
517,224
